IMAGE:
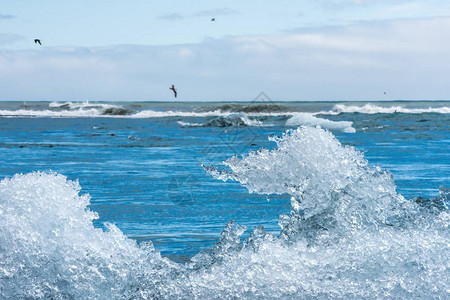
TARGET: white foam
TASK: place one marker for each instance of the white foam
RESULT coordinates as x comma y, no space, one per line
239,119
349,235
188,124
98,111
215,113
50,113
49,248
82,105
308,119
375,109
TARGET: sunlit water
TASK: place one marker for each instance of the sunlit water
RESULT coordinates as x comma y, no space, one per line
317,217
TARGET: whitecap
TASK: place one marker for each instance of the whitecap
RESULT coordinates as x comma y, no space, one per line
376,109
309,119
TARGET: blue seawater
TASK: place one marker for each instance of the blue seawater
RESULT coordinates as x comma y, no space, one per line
257,200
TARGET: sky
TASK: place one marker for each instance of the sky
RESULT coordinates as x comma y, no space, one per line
304,50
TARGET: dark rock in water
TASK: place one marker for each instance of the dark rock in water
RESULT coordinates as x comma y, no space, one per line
116,111
252,108
232,120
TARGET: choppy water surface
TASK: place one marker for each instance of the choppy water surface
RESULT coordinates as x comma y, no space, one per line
358,210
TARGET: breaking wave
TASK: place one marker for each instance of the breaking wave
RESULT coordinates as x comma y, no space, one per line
349,235
69,110
213,113
375,109
88,109
156,110
226,121
309,119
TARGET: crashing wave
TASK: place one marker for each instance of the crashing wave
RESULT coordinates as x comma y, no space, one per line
349,235
50,113
100,108
212,113
69,110
309,119
80,105
49,248
375,109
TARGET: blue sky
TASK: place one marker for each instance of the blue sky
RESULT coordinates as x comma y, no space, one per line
302,50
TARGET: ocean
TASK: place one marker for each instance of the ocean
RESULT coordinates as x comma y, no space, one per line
225,200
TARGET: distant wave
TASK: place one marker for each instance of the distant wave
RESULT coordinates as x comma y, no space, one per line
375,109
252,108
214,113
309,119
119,112
87,109
68,110
227,121
82,105
49,113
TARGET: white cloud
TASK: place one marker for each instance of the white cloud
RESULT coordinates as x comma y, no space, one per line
410,59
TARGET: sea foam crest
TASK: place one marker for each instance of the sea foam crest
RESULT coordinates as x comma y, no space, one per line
70,110
49,248
308,119
376,109
319,173
349,233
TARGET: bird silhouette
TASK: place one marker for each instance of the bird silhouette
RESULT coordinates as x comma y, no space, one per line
174,90
213,19
37,41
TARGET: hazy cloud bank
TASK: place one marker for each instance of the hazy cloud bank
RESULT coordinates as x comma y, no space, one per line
409,59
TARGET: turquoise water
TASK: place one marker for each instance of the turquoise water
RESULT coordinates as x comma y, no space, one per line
145,165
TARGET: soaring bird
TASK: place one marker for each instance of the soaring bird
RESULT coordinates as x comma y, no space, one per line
37,41
174,90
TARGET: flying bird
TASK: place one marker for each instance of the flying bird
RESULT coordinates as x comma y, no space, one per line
213,19
37,41
174,90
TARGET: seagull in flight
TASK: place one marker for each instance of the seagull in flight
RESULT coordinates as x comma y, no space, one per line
37,41
174,90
